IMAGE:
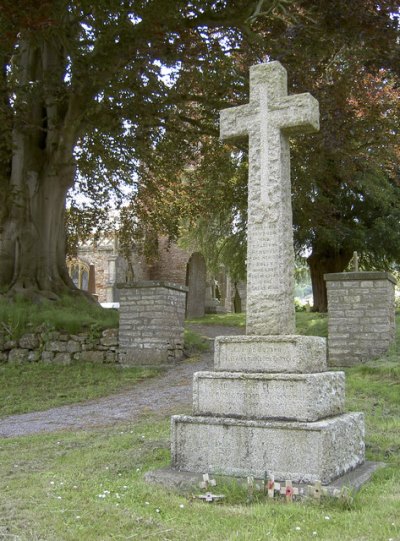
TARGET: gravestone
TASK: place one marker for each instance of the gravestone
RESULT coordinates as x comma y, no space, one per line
270,405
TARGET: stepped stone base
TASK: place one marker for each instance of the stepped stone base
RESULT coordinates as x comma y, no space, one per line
270,354
300,397
189,482
302,452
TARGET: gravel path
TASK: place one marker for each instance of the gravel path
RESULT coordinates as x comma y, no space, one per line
167,392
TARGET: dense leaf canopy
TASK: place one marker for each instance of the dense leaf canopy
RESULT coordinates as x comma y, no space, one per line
128,94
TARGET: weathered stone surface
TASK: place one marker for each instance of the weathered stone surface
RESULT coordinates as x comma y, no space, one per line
109,337
18,356
301,397
3,357
47,356
110,357
29,341
196,276
9,344
291,353
81,338
301,452
151,323
62,358
73,346
93,356
361,316
187,482
57,346
144,357
268,119
34,356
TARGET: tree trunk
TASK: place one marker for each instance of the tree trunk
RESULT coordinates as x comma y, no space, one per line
321,263
32,240
32,234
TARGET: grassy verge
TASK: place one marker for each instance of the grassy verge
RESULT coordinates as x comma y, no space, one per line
232,320
88,485
37,386
308,323
69,314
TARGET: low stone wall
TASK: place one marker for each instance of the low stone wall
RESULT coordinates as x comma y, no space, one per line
61,348
151,323
361,316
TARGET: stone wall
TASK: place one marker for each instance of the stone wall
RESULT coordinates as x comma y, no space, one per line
361,316
171,264
151,323
56,347
111,268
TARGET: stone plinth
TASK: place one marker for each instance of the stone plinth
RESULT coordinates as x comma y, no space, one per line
290,353
151,323
289,423
361,316
301,397
301,452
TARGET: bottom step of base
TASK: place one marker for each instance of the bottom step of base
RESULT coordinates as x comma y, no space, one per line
188,481
300,451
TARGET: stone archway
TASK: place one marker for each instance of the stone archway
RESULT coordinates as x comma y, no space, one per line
196,272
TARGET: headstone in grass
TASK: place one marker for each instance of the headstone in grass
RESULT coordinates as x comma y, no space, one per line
270,404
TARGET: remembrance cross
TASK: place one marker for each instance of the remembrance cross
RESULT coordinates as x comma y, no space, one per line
269,118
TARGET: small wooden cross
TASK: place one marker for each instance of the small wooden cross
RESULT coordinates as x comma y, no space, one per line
289,491
316,490
207,482
209,497
272,486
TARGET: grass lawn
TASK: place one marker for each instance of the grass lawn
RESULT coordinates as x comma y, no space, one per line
308,323
37,386
88,485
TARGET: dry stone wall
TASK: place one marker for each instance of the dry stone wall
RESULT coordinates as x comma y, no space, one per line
60,348
361,316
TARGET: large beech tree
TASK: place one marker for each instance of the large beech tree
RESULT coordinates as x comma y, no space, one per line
84,83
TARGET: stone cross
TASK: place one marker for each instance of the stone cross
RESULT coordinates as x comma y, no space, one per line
268,120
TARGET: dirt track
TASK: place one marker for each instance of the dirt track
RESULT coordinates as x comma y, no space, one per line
165,393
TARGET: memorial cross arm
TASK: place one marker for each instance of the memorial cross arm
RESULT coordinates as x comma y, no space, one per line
234,122
296,114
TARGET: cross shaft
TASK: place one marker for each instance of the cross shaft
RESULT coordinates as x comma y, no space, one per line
269,118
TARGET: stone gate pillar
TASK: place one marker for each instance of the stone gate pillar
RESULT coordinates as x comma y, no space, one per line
361,316
151,323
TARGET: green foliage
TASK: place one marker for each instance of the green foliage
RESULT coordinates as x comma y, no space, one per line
69,314
299,306
195,343
231,319
312,324
307,323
